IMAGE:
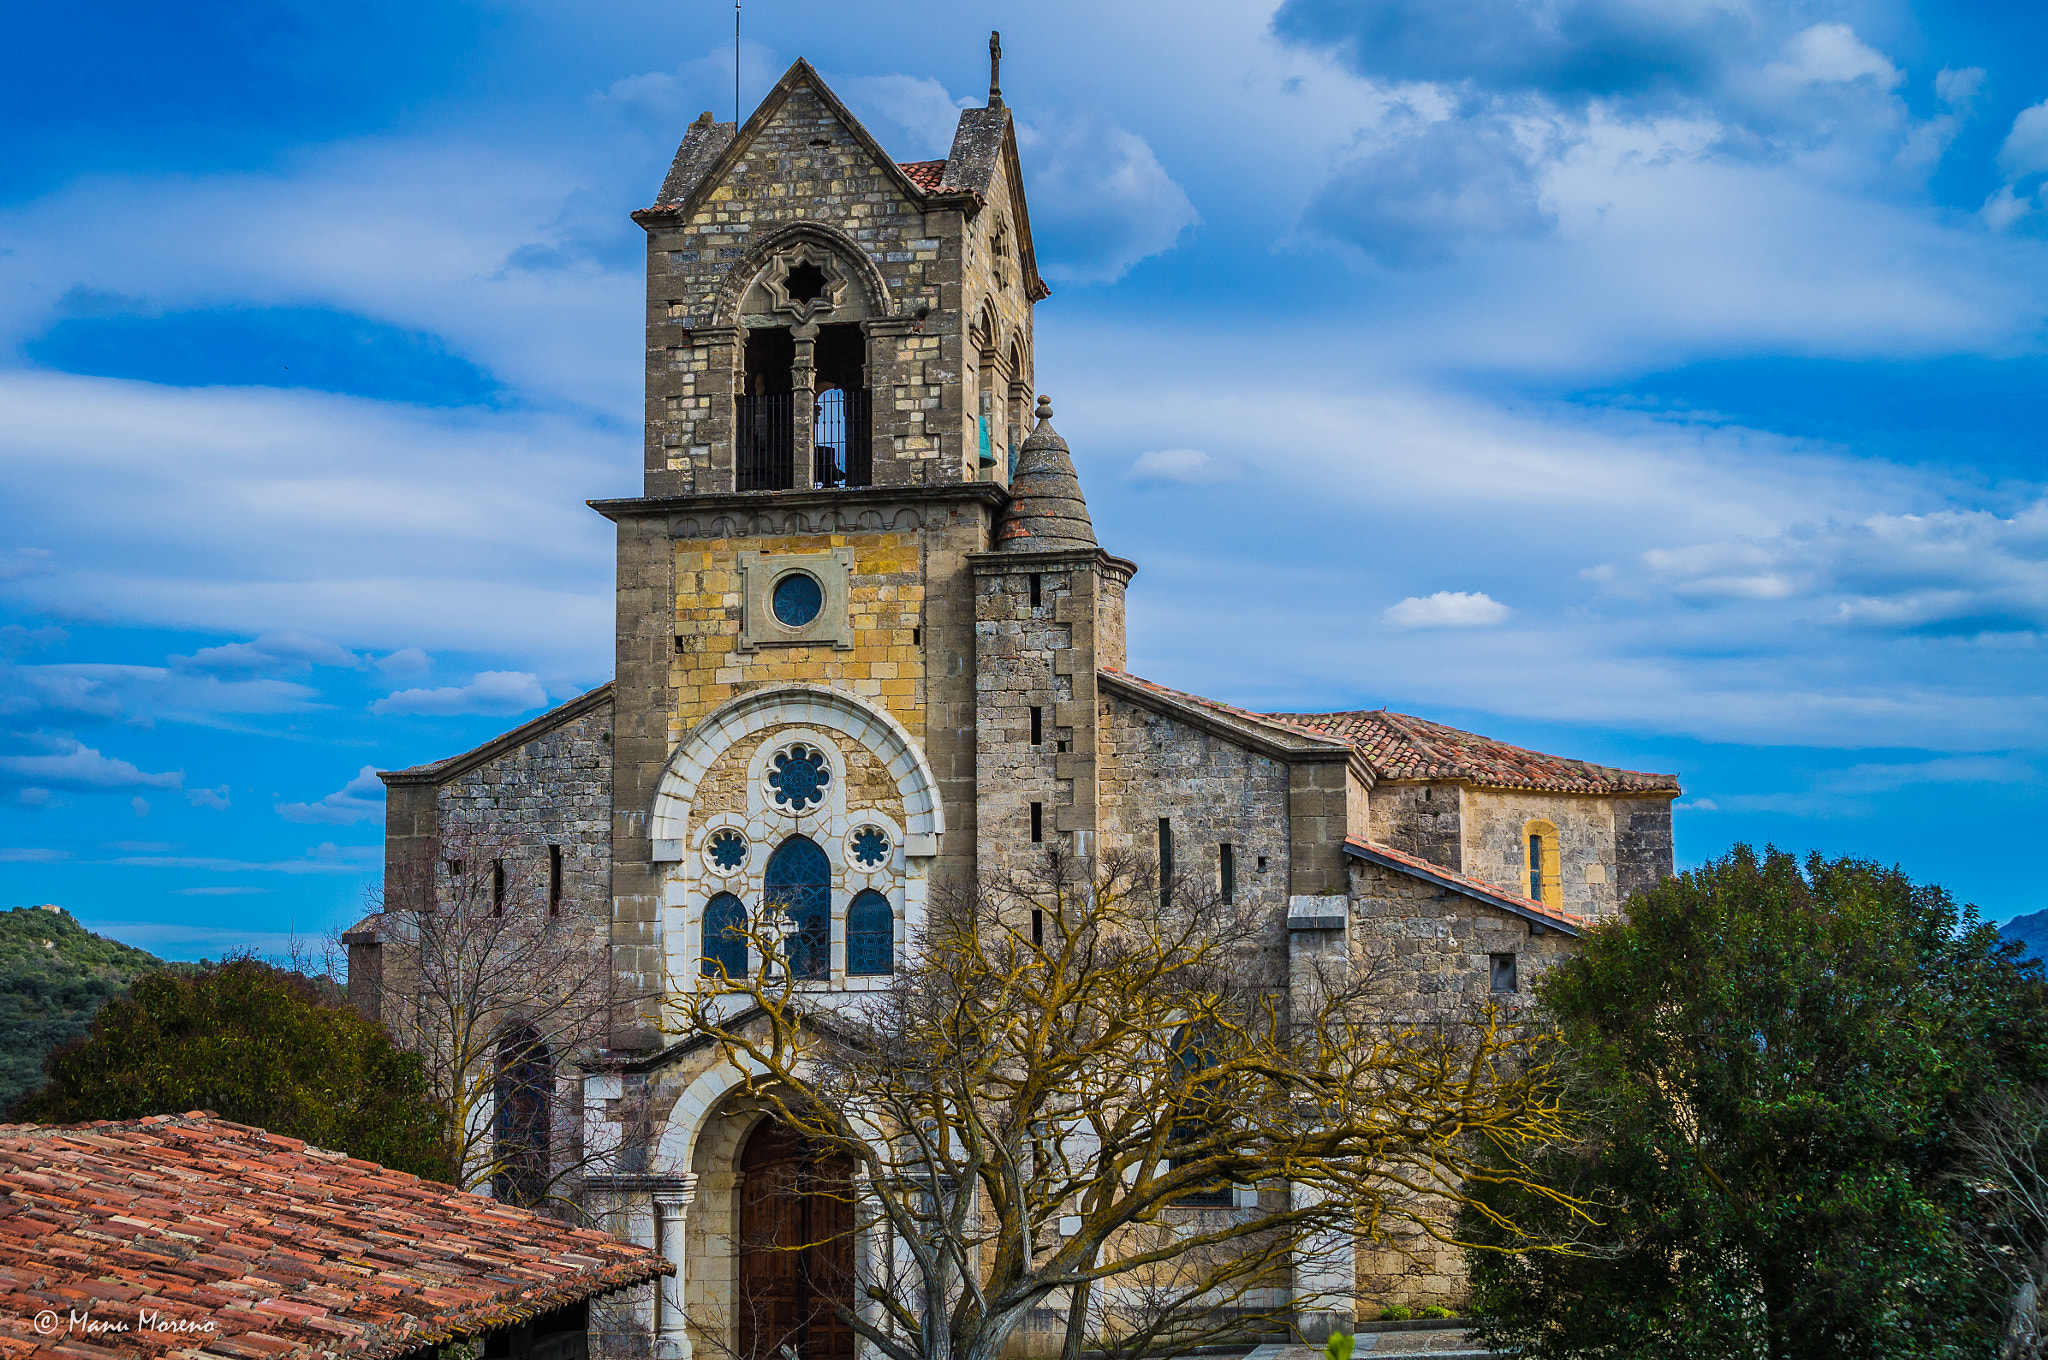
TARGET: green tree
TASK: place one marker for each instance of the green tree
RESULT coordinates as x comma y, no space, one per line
257,1045
1775,1067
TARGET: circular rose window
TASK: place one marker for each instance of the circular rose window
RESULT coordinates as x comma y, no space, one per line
797,599
799,776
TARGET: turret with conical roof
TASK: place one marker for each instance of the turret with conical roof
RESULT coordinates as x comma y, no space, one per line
1046,509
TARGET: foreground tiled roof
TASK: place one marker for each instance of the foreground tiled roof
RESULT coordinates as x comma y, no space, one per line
1569,921
929,176
1398,746
206,1237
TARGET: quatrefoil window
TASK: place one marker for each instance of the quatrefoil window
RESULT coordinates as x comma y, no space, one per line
728,850
870,846
799,777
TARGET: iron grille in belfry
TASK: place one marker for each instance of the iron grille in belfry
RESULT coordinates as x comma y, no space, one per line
763,455
841,438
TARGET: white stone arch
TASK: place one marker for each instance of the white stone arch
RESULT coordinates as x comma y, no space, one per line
832,710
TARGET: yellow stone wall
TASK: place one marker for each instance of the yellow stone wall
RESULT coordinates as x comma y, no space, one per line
884,605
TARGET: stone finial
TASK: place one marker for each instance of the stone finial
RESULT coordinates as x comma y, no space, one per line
995,69
1046,508
705,119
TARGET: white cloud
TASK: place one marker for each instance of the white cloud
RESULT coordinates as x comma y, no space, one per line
1448,609
325,858
358,521
219,892
2025,151
31,855
217,799
1832,53
271,654
140,804
361,799
911,116
491,693
1100,199
1189,467
70,764
406,664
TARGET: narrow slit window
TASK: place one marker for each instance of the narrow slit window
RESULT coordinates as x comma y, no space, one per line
1037,724
497,887
1038,925
1227,867
1165,862
1034,589
1536,867
554,880
455,868
1037,823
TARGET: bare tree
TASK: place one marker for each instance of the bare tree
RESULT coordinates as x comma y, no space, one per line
2007,1168
502,987
1070,1079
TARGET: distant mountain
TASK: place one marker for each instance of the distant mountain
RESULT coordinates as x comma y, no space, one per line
54,977
2031,931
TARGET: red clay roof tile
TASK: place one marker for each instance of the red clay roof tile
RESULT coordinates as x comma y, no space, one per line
1398,746
257,1245
929,176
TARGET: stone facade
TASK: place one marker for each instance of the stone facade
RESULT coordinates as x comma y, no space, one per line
938,638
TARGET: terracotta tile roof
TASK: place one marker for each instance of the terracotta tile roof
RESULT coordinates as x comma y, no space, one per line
929,176
239,1242
1568,921
1398,746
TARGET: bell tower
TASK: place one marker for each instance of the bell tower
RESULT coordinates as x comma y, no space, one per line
839,361
820,315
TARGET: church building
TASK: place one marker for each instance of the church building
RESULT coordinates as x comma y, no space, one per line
870,650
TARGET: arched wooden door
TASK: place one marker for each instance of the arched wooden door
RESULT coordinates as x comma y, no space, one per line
795,1248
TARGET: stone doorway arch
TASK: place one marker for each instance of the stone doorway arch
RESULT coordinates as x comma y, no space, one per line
795,1248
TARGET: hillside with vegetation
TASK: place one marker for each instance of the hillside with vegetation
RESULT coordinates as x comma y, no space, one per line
55,975
2031,931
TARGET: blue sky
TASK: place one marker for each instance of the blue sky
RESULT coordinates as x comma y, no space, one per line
1659,382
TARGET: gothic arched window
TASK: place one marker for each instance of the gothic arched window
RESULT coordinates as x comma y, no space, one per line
799,880
525,1086
870,936
724,943
1196,1049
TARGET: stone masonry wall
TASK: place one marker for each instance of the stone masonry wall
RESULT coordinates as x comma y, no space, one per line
884,606
1211,790
1428,949
1013,672
554,790
1421,819
1642,845
1496,847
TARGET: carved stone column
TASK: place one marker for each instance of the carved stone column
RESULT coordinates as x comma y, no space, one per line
803,379
671,1319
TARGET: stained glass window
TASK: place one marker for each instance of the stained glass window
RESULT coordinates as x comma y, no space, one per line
799,880
799,776
870,936
728,849
526,1080
725,936
870,846
797,599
